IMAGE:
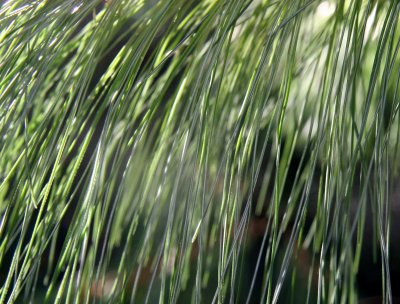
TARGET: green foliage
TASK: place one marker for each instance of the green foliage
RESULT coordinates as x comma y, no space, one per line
140,139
